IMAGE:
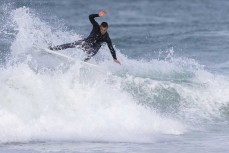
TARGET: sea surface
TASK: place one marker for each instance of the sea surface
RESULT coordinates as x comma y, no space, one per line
170,93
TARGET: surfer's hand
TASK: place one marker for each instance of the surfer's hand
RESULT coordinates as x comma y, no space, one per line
102,13
117,61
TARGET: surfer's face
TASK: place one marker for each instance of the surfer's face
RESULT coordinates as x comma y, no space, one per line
103,30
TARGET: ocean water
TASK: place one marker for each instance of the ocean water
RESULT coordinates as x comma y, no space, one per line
171,93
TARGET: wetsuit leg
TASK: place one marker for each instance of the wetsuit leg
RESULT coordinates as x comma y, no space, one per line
65,46
91,52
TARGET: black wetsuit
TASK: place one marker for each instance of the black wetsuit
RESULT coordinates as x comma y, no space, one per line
92,43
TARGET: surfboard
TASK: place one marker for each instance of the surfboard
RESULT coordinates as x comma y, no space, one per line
58,54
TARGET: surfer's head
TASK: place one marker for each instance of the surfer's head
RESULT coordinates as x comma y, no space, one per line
103,27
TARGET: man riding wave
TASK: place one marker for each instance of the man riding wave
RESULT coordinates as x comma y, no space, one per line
93,42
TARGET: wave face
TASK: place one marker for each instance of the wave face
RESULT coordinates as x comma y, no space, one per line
44,97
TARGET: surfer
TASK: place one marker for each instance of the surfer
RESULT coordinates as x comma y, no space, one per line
93,42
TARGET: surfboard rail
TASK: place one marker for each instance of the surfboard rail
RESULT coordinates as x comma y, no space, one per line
56,53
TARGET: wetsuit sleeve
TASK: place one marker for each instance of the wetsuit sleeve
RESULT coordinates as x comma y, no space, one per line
92,19
110,46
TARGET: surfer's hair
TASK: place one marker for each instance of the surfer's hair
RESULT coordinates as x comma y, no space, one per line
104,24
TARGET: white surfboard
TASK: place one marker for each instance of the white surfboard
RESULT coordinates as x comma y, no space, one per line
58,54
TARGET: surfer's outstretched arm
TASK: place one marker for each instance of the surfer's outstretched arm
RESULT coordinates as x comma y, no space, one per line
112,50
92,19
93,16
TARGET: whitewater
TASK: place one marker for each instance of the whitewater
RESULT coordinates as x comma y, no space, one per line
50,101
